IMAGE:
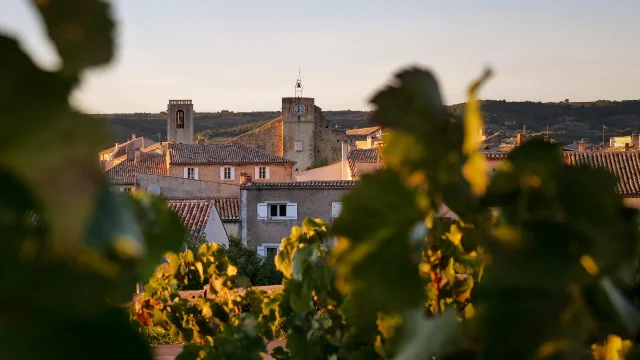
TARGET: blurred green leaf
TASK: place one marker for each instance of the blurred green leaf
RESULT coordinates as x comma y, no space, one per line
423,338
374,237
82,31
65,177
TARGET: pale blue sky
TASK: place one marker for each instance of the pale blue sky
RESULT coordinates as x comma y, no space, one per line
244,55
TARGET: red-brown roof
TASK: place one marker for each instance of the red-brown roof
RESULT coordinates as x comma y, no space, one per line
132,144
363,131
228,208
371,155
312,184
194,214
624,165
124,173
233,153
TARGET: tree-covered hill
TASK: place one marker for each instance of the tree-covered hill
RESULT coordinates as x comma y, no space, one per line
567,121
214,125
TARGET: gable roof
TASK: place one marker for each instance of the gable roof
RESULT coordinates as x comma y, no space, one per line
122,148
624,165
194,214
228,208
371,155
232,153
312,184
124,173
363,131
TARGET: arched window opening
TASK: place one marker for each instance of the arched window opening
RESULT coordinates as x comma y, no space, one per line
179,119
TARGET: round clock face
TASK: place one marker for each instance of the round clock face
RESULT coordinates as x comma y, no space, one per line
298,109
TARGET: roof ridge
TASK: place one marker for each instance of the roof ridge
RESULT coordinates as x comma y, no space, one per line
255,130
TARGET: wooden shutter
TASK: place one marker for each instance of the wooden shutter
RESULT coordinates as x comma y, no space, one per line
292,211
336,207
267,176
195,173
233,173
263,211
186,173
222,173
257,173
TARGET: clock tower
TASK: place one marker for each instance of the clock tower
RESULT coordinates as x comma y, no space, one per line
298,128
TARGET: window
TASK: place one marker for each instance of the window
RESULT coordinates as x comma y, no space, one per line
179,119
298,145
227,173
278,211
127,189
191,173
268,249
262,172
272,251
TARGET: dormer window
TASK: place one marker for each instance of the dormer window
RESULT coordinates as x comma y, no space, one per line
179,119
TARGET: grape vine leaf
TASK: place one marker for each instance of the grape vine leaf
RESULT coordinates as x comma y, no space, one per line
82,31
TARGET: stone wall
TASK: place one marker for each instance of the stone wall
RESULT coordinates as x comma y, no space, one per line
328,140
277,172
181,188
311,202
268,137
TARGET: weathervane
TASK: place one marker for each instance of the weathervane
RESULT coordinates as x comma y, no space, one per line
298,85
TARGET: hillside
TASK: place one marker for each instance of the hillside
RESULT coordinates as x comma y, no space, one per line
214,126
567,121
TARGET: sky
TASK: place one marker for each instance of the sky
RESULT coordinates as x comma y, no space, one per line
244,55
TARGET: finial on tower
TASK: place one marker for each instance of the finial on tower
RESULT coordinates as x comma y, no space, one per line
298,85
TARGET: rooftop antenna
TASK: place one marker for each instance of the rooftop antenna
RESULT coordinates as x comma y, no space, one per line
299,85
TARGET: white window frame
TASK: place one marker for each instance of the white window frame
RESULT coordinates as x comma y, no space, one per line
262,172
224,173
264,210
262,249
191,173
298,146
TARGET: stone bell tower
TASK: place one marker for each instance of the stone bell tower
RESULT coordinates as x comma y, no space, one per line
180,121
298,128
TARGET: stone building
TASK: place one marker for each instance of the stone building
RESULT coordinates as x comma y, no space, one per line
180,127
269,210
302,134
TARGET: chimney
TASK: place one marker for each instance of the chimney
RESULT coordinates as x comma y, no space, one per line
345,161
142,142
518,139
133,136
117,146
635,139
626,146
136,156
245,179
581,146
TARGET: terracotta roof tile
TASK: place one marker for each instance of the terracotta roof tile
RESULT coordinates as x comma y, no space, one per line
122,148
194,214
124,173
228,209
624,165
233,153
312,184
371,155
363,131
496,155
